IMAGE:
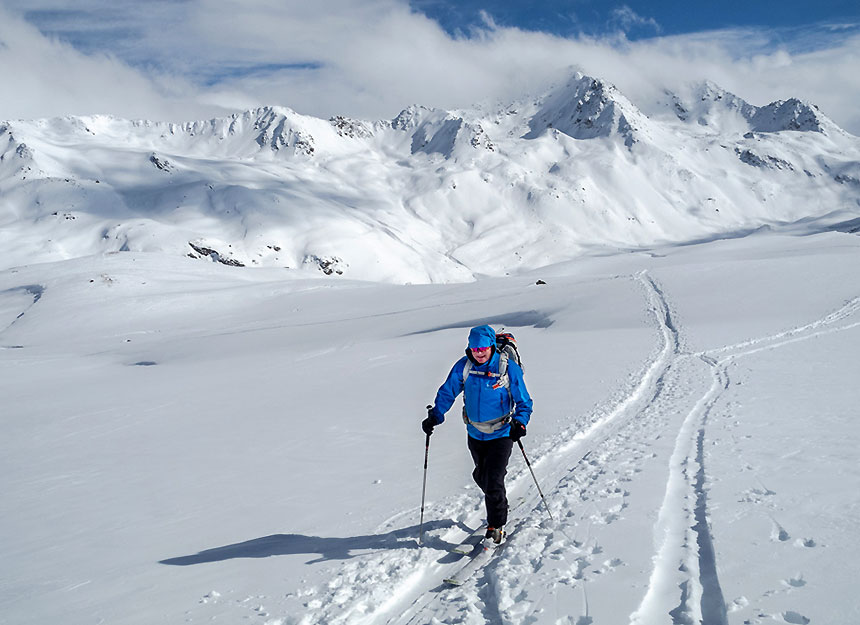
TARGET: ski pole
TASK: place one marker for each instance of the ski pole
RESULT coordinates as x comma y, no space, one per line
529,465
423,490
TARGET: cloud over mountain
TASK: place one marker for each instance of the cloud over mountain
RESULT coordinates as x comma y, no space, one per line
431,195
192,60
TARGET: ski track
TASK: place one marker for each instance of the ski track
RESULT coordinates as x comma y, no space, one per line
588,464
570,466
686,559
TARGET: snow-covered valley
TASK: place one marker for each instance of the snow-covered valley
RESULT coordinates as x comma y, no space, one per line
193,442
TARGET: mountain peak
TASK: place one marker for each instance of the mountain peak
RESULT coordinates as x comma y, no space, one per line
587,108
410,117
708,104
791,114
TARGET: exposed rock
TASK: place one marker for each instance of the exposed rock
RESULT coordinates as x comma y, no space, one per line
770,162
328,265
350,128
216,256
160,163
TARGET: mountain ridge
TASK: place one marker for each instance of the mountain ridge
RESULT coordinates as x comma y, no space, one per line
430,195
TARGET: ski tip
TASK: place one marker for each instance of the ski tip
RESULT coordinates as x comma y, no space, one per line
452,582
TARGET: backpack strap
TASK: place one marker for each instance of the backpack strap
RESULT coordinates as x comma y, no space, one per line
504,380
488,427
502,375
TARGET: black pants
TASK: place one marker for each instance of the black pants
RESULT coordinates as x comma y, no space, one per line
491,464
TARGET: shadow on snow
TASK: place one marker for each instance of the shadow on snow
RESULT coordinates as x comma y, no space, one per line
520,319
327,548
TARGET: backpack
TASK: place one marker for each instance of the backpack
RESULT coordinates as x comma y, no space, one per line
506,344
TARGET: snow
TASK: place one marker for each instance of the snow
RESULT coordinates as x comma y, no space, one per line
217,339
192,442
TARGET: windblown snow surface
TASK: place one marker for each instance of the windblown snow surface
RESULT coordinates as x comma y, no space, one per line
188,442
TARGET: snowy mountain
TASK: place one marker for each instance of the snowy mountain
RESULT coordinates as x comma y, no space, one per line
454,194
708,103
587,108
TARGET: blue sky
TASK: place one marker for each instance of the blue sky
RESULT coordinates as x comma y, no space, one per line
194,59
93,27
638,18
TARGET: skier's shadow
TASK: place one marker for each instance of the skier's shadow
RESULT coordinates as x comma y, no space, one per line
327,548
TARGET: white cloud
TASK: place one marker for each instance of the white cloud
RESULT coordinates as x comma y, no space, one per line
627,19
748,64
45,77
190,59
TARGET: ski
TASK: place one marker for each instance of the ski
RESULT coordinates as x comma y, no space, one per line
482,550
482,553
470,544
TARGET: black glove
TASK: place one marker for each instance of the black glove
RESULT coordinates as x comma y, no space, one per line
518,430
430,422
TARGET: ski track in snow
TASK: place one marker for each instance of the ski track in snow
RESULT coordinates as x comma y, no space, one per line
379,590
686,559
585,472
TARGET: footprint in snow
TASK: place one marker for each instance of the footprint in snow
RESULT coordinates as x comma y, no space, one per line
755,495
579,568
212,596
778,533
738,604
609,566
795,582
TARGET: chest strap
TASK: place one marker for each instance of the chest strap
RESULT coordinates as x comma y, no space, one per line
488,427
502,375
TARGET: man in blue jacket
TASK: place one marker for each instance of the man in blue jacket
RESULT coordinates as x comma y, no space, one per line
496,409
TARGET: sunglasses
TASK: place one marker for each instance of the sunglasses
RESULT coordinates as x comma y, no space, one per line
476,350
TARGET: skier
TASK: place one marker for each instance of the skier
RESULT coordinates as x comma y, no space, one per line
496,409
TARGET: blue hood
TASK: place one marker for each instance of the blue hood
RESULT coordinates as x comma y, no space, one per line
482,336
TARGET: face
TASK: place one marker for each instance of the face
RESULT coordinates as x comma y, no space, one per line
482,354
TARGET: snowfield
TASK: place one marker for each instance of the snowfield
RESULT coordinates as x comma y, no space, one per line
188,442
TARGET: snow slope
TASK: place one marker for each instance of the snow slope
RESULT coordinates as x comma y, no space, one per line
430,196
191,442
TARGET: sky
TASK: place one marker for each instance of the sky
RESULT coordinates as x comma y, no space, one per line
182,60
638,19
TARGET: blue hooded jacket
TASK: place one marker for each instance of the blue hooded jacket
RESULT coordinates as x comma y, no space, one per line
482,401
